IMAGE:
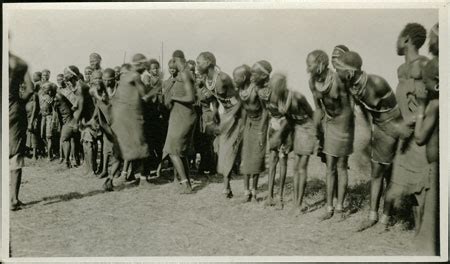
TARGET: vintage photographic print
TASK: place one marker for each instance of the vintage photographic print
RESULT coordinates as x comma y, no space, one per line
224,132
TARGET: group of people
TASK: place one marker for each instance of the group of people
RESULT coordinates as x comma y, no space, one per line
125,122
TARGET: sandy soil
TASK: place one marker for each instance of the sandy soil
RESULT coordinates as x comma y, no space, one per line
69,215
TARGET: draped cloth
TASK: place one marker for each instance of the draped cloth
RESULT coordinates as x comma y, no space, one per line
229,138
127,121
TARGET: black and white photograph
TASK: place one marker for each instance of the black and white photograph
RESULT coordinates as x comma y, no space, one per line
224,132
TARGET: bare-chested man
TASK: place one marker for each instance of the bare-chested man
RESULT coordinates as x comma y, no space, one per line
220,108
18,74
95,61
334,112
375,97
254,138
427,133
46,102
83,110
410,170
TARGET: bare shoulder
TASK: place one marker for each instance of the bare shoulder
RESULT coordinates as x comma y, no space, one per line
433,106
378,81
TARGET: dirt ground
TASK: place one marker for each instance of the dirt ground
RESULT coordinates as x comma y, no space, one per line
68,215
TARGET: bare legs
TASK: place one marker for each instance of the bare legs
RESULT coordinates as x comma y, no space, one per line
378,172
300,177
181,166
337,180
16,179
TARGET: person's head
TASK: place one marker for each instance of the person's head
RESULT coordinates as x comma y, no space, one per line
60,80
117,72
94,61
430,75
242,76
37,76
154,67
49,89
45,75
126,67
205,61
278,84
433,42
71,74
87,73
173,70
109,78
190,64
317,62
413,36
179,59
337,53
348,65
139,62
261,72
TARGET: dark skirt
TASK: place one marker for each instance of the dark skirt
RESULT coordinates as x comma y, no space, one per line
254,144
17,128
182,122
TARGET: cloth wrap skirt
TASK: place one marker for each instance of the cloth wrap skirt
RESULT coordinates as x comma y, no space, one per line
254,144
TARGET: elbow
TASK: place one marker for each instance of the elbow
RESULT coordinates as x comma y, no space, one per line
420,140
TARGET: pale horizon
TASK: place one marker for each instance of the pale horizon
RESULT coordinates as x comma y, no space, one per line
54,39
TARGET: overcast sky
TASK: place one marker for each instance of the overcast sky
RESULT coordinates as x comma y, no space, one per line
54,39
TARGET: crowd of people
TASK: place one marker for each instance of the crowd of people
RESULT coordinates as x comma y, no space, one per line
126,124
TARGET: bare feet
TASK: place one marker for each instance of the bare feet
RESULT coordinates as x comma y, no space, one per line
341,215
280,204
367,223
102,175
327,215
247,197
228,194
254,198
269,202
186,188
16,205
108,185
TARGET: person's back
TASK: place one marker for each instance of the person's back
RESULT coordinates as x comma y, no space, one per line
17,71
127,94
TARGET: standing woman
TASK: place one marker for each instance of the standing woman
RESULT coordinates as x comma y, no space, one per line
181,121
